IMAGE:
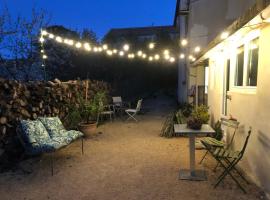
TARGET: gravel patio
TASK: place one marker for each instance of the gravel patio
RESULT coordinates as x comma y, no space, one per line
124,161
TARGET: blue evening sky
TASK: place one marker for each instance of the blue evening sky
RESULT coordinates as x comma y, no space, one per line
100,15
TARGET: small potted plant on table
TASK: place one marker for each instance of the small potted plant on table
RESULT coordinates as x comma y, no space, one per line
199,116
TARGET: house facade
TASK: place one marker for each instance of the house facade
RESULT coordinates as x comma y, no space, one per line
233,69
199,22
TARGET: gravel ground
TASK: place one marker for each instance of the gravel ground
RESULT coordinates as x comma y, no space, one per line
127,161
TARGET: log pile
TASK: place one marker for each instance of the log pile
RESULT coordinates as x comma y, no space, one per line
33,99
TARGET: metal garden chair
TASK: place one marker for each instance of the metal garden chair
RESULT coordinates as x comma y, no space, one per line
120,105
212,143
133,112
228,159
107,110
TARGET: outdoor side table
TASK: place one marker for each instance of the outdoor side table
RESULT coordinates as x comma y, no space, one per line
192,174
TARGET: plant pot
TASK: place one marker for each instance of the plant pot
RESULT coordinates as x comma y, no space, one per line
194,124
88,128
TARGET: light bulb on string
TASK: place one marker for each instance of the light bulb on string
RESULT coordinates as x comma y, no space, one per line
70,42
44,33
87,46
157,57
78,45
126,47
151,45
44,57
184,42
166,52
182,56
144,56
197,49
172,59
150,58
51,36
115,51
167,57
121,53
41,39
105,46
140,53
59,39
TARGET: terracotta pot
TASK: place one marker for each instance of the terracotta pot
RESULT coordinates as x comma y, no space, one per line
88,128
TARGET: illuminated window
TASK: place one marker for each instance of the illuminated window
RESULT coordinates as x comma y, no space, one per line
239,71
252,65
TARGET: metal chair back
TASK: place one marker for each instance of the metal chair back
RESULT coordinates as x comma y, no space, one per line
117,101
139,105
231,124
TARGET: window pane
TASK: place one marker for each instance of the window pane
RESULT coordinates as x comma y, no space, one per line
239,74
253,57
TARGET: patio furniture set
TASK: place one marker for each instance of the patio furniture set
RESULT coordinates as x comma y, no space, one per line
119,106
221,151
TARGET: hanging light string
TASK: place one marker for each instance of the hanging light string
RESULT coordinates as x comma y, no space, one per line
125,51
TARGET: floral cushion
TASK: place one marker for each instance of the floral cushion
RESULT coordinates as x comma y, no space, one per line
34,132
53,125
46,147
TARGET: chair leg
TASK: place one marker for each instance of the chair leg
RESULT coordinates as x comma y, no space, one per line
226,172
203,157
238,172
215,169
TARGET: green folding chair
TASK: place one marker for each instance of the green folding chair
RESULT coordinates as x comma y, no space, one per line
211,143
228,159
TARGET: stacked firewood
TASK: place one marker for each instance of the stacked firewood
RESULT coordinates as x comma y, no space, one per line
33,99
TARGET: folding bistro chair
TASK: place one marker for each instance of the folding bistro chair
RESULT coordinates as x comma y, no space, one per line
133,112
107,110
119,104
211,143
228,159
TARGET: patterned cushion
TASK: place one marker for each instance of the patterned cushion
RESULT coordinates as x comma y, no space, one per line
53,125
46,147
34,132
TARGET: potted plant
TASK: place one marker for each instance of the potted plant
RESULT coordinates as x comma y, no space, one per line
199,116
84,115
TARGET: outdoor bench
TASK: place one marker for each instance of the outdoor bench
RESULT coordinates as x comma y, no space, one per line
45,135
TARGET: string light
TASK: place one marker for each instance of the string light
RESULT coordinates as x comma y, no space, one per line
140,53
87,46
184,42
105,46
44,33
59,39
224,35
167,57
182,56
172,59
78,45
151,46
41,39
109,52
166,52
70,42
157,57
121,53
191,57
44,57
42,51
51,36
197,49
126,47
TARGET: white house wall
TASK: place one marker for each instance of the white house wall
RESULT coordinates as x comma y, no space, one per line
250,107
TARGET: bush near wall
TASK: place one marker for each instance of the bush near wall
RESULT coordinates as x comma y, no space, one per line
19,100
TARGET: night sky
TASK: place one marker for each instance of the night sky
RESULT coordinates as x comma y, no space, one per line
100,15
